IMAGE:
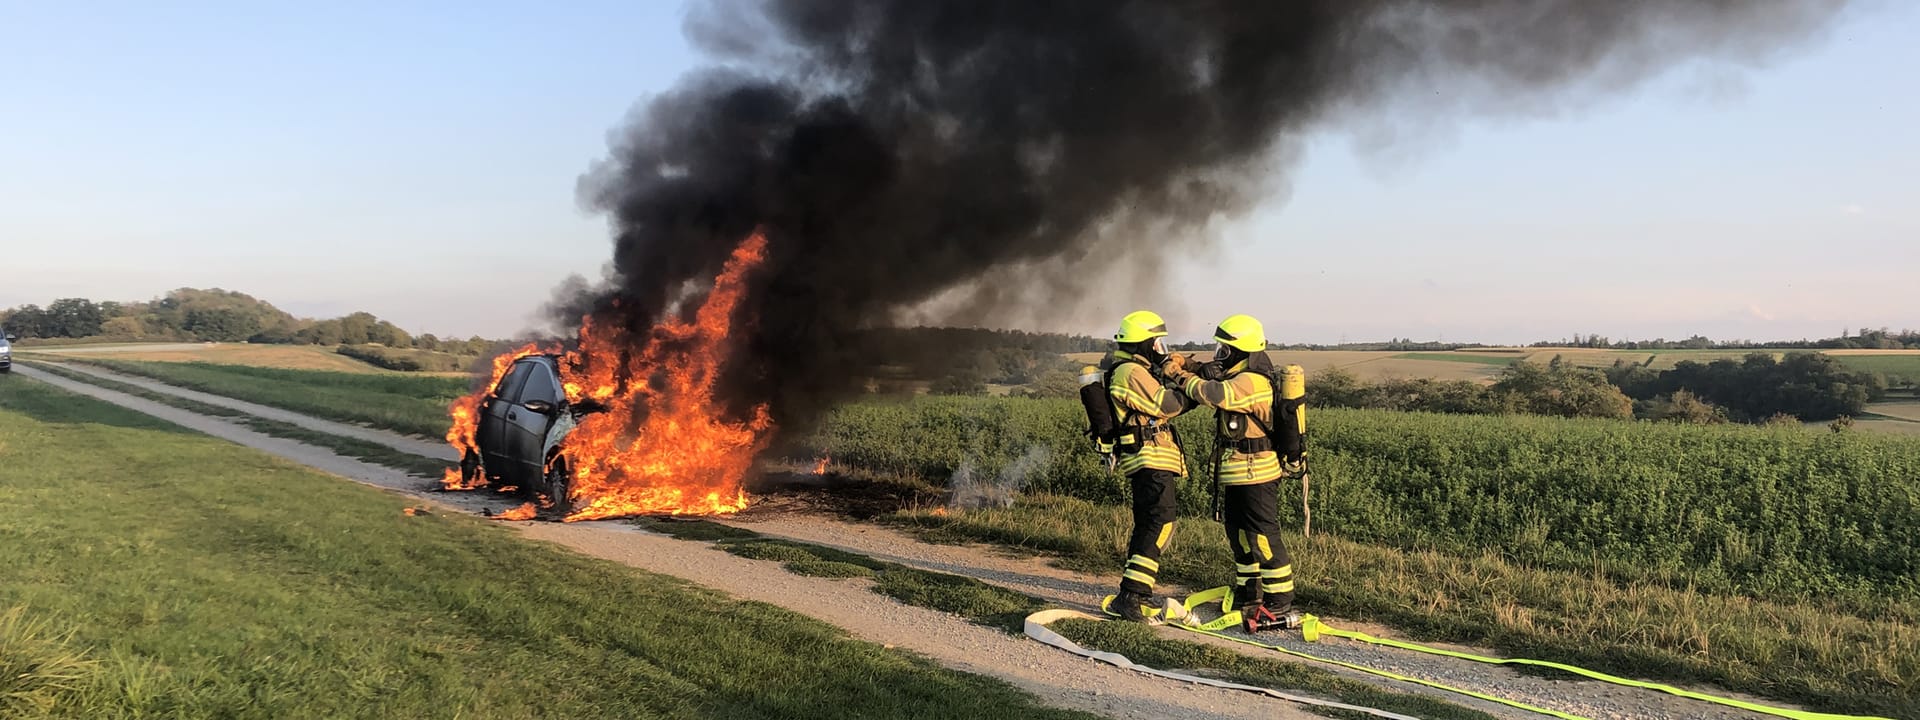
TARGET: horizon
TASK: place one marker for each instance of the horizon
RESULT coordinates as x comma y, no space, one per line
395,162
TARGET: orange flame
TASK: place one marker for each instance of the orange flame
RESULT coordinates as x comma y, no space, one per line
683,456
665,444
526,511
820,468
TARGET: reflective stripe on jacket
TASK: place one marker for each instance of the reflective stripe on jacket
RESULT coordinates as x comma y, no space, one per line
1241,395
1146,410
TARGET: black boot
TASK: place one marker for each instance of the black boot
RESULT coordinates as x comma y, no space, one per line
1131,607
1245,597
1279,603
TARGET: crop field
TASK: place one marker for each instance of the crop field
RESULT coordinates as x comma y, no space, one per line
216,581
293,357
1765,512
1901,365
1466,357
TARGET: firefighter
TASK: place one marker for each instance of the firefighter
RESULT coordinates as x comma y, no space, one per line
1239,384
1147,452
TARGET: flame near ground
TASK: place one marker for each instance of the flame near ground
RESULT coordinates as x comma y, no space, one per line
665,444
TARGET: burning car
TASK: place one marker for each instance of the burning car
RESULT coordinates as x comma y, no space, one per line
523,421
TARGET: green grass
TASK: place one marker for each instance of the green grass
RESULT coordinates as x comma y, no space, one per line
345,446
1902,367
1006,610
198,579
1459,358
1827,656
410,404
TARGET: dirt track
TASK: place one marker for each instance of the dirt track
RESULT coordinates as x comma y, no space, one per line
1059,679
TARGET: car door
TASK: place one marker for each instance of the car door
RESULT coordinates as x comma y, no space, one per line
526,430
492,435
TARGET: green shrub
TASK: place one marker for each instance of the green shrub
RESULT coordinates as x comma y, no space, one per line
1725,507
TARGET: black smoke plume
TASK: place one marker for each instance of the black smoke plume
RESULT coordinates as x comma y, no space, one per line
1003,159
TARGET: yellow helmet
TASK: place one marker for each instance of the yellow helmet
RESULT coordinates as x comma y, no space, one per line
1140,326
1242,332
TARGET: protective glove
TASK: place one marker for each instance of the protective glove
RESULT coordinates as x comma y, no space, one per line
1212,370
1176,365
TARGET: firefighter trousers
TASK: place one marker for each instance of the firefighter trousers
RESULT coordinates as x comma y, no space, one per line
1156,499
1262,567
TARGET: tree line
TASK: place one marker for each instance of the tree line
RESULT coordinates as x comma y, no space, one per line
1759,388
215,315
1881,339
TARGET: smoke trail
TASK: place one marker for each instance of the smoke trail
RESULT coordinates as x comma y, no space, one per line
1008,156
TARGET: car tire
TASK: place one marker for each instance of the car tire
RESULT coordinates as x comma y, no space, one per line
557,483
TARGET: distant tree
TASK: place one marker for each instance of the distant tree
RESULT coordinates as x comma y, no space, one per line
72,318
963,383
1053,384
1685,407
27,321
1334,387
221,324
1560,389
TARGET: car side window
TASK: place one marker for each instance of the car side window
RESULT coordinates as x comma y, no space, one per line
541,385
509,387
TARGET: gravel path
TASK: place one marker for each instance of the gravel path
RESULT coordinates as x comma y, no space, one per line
436,449
1057,678
1035,577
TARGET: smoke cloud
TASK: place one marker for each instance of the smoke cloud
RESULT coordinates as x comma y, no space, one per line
1000,160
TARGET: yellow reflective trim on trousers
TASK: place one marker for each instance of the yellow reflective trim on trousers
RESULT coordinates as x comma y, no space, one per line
1266,551
1131,574
1156,457
1279,572
1312,627
1241,536
1279,587
1236,469
1146,563
1166,533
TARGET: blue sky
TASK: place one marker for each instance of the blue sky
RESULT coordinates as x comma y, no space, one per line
419,160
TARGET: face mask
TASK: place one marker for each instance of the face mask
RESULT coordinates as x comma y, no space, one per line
1159,347
1221,351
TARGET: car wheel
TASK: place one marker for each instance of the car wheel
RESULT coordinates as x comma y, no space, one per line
470,469
558,483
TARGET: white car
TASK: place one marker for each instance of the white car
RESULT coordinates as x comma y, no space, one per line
6,351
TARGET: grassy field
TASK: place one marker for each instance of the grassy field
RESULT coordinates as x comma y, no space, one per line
1828,657
1905,366
404,402
345,446
292,357
153,572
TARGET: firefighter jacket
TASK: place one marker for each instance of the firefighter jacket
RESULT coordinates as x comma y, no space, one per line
1246,454
1145,410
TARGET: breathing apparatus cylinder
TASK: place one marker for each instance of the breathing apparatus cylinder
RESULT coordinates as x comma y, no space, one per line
1102,424
1290,413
